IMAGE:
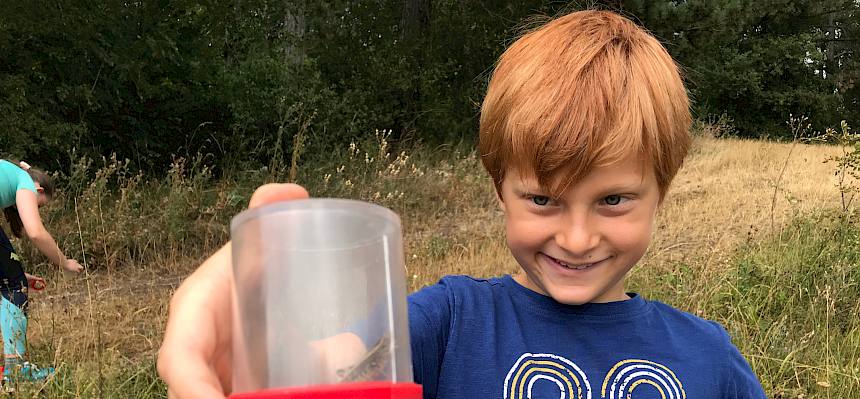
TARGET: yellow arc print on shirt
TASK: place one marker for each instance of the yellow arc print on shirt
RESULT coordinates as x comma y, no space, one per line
620,383
626,375
569,378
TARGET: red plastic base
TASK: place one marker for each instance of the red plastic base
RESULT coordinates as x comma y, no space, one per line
359,390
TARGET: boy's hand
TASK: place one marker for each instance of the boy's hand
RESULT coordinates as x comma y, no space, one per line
195,357
36,283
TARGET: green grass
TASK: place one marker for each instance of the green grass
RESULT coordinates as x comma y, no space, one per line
792,305
790,302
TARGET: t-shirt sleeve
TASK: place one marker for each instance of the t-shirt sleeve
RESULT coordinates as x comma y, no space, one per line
740,380
429,326
25,182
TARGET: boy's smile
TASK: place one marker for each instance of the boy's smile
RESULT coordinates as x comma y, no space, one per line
578,248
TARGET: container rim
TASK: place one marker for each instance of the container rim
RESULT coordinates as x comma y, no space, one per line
366,209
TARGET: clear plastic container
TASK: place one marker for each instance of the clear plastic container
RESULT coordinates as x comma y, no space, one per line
309,270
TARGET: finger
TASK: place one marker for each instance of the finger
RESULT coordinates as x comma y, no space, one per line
194,388
185,359
273,192
173,394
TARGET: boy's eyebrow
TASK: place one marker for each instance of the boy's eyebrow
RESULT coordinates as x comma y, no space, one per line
632,185
527,184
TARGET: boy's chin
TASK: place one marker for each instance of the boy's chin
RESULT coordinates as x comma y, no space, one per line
581,296
572,295
571,298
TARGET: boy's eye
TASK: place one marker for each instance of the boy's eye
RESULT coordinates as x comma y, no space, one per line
612,199
540,200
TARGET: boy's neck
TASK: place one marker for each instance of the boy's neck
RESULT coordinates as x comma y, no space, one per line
522,279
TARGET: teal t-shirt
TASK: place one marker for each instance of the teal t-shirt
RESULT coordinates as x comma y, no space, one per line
12,179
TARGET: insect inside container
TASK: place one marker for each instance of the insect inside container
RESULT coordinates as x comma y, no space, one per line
372,366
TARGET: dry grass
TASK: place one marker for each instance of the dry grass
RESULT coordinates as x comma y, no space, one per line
720,199
113,318
723,194
723,197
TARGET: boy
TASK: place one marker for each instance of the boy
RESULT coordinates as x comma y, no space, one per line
584,125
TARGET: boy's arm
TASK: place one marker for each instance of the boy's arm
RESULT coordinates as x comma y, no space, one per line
195,359
740,380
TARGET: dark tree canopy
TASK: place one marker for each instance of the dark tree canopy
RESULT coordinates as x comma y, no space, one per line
153,79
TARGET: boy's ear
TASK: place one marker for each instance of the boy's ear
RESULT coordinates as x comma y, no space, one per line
500,200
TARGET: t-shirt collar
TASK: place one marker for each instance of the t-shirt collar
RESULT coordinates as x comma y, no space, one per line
636,305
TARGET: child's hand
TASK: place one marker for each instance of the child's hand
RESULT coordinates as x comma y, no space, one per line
195,357
72,266
35,283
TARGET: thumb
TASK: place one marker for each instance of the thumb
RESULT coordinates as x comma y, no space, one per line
274,192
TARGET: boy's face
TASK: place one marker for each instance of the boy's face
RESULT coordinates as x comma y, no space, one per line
578,248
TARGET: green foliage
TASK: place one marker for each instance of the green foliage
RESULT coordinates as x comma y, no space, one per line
758,61
111,216
117,217
129,77
847,164
129,380
789,302
791,306
152,81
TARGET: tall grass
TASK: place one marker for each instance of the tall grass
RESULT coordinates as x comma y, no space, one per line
788,295
790,302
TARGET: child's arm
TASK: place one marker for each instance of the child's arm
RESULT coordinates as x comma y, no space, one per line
196,354
28,209
739,379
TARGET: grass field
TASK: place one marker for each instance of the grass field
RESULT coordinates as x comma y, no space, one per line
749,235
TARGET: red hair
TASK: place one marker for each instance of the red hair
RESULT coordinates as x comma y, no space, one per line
586,89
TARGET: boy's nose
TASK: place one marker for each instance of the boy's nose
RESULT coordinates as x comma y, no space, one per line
578,238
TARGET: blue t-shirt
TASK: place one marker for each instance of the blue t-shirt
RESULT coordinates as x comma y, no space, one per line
12,179
493,338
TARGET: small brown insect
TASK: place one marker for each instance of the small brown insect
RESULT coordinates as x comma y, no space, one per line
372,366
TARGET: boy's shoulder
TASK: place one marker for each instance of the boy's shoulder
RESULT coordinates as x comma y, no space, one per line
688,324
456,286
461,284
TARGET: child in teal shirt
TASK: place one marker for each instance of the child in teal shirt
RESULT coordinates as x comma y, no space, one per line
22,191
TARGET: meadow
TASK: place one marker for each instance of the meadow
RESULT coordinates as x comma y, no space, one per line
752,234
